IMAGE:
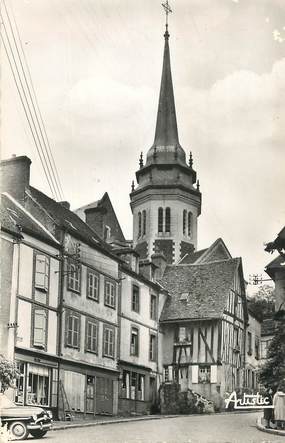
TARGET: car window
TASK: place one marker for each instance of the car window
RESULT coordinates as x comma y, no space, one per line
5,402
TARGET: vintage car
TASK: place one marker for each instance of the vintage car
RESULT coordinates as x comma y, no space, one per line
24,420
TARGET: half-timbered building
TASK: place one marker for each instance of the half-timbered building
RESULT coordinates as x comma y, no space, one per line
204,322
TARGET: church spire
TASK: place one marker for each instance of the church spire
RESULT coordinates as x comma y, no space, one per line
166,126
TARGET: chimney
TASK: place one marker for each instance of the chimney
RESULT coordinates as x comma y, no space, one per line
65,204
158,259
15,176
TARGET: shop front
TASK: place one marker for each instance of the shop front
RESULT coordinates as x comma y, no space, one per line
136,389
38,382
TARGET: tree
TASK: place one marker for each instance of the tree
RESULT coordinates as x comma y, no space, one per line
272,373
262,302
8,374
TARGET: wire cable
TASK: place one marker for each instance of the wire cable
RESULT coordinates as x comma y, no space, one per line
44,152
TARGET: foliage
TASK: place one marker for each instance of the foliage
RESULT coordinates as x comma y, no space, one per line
8,374
262,303
5,434
272,373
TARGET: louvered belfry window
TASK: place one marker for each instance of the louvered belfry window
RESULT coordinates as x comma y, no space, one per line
139,224
190,223
167,220
160,220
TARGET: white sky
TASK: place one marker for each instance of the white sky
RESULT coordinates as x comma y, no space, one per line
96,66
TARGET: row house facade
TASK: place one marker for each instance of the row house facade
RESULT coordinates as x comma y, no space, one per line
71,299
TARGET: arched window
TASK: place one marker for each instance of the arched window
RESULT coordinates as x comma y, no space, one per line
139,224
160,220
144,222
190,223
184,221
167,220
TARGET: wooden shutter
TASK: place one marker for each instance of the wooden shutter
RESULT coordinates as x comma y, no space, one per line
213,374
40,317
41,272
195,372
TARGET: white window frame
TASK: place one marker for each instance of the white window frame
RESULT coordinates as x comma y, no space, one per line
93,285
41,272
110,293
109,341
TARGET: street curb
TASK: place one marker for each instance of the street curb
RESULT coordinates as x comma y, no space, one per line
262,428
133,419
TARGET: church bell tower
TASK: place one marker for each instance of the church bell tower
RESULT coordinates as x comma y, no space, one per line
166,202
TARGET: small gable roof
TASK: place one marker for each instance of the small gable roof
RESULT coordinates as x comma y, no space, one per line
206,287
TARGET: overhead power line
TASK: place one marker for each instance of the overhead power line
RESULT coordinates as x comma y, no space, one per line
25,88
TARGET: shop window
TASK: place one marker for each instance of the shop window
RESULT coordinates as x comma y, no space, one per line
140,391
153,307
108,341
134,341
20,384
41,272
204,373
110,293
39,327
90,390
93,282
91,338
125,386
160,220
136,299
133,385
38,385
73,329
167,220
74,276
152,347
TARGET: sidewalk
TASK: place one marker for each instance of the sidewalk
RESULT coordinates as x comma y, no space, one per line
261,427
101,420
105,420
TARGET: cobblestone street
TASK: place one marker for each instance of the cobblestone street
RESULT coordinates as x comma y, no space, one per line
231,428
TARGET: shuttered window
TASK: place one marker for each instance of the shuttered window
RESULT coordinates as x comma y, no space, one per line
91,336
110,293
73,329
152,347
108,341
41,272
40,327
74,276
93,282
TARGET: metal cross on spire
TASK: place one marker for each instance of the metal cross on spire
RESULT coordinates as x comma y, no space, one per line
167,10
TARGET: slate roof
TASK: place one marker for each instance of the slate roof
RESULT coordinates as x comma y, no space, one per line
207,287
15,218
66,219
